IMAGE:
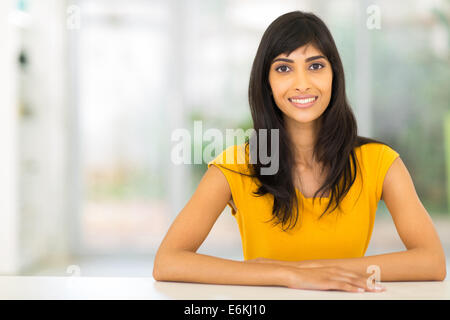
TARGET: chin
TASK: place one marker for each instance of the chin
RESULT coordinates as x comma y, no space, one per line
307,119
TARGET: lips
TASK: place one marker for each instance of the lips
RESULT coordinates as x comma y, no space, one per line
305,96
304,101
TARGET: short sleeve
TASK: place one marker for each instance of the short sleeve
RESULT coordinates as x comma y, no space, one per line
231,163
385,159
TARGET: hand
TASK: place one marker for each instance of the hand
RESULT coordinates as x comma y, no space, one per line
328,278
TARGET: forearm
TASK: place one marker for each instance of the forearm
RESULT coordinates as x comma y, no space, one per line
409,265
188,266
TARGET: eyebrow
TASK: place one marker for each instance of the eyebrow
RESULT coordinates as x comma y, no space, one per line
292,61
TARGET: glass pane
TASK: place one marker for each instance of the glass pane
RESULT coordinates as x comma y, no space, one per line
122,115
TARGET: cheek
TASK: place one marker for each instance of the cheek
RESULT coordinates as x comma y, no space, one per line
280,88
324,84
328,83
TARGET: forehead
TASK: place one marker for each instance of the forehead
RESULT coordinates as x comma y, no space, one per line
303,51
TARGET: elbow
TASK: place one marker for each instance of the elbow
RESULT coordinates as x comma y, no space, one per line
156,273
434,264
161,266
157,268
440,275
443,276
441,272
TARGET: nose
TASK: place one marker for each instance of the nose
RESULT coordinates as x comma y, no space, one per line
302,82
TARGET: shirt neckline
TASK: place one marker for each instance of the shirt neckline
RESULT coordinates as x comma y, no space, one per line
310,199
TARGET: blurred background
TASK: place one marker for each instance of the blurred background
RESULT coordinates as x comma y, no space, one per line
91,91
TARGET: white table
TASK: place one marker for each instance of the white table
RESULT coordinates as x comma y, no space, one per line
103,288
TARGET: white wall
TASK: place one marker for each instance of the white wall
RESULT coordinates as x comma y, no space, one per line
8,146
33,138
43,137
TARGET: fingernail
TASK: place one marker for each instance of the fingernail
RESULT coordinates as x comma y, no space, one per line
361,290
378,287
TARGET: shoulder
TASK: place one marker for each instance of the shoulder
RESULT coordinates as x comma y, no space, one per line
374,152
234,156
376,159
231,162
371,148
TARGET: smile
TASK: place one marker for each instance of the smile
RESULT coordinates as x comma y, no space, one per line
303,103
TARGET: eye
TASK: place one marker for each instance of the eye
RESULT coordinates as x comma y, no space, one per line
317,64
279,68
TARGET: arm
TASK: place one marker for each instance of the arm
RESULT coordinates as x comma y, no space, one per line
424,258
177,260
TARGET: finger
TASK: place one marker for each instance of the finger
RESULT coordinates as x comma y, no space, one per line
372,284
344,286
350,273
351,280
376,287
361,283
360,279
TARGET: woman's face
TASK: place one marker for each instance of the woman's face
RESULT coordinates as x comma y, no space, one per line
304,74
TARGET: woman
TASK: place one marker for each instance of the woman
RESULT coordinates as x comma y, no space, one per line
297,87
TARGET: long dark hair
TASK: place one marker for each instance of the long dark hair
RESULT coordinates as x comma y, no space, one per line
337,137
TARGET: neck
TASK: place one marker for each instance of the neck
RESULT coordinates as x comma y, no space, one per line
303,136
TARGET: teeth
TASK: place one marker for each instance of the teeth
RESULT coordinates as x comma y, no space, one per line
303,101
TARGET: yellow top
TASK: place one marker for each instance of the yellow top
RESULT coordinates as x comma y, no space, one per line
343,233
